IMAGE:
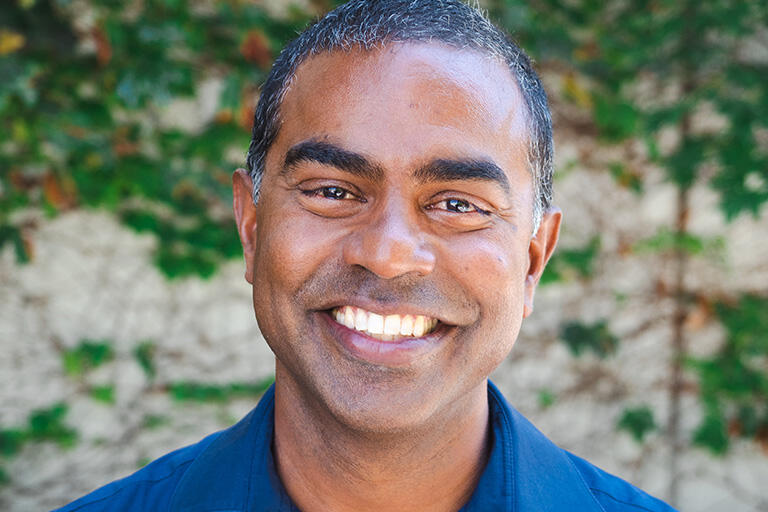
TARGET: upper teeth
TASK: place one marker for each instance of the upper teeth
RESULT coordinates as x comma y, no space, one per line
384,327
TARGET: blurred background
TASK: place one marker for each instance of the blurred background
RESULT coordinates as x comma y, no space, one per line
126,327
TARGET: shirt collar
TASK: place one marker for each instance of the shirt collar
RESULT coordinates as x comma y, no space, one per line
525,471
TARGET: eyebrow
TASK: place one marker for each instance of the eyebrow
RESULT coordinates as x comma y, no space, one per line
462,170
329,154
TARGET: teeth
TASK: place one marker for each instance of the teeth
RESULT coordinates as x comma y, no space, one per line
392,324
361,320
375,323
349,317
406,325
418,326
386,328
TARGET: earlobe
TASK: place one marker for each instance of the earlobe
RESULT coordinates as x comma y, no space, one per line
540,249
245,217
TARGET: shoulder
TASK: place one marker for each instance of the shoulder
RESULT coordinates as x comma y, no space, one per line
613,493
543,476
150,488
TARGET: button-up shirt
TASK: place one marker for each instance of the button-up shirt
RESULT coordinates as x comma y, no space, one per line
234,471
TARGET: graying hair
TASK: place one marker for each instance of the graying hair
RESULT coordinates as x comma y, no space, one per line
369,24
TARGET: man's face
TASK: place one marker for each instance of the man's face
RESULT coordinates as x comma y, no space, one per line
390,251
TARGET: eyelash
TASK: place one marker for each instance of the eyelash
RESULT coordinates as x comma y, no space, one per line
321,192
476,208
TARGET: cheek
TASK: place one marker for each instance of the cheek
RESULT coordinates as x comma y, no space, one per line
494,274
494,271
289,249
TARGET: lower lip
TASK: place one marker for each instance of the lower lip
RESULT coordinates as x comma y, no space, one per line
400,352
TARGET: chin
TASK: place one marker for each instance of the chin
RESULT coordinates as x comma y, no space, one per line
387,407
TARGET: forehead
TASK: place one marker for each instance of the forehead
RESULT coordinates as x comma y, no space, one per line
406,102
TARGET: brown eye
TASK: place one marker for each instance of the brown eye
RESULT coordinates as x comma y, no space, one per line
330,192
459,206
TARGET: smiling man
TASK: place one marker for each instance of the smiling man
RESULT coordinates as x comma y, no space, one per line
395,221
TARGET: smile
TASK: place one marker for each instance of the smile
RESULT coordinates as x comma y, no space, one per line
384,327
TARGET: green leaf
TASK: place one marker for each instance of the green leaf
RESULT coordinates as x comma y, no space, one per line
616,119
198,392
104,394
666,240
48,425
638,421
626,178
153,421
682,165
86,356
570,263
712,434
11,442
144,355
596,337
546,398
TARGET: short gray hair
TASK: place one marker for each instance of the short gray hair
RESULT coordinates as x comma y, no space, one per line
368,24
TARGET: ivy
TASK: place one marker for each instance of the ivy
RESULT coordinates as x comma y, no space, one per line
734,382
97,111
144,354
42,425
546,398
104,394
87,355
572,263
48,425
188,391
637,421
595,338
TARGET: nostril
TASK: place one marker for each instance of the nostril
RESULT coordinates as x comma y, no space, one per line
389,254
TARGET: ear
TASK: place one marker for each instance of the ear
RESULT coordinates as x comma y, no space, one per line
539,251
245,217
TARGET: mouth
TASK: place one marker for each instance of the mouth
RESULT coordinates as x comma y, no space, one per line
384,327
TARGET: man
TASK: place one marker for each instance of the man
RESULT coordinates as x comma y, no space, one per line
395,218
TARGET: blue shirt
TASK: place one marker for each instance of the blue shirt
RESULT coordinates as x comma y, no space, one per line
234,471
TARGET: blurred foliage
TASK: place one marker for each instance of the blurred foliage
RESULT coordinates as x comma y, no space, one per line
42,425
48,425
87,355
638,421
694,58
104,394
83,91
596,338
199,392
734,382
546,398
152,421
572,263
668,241
144,354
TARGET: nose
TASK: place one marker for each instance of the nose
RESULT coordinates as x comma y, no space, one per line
391,245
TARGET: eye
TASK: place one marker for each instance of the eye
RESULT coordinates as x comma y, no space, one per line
331,200
457,206
330,192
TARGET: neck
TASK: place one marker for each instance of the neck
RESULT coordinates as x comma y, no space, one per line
327,466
